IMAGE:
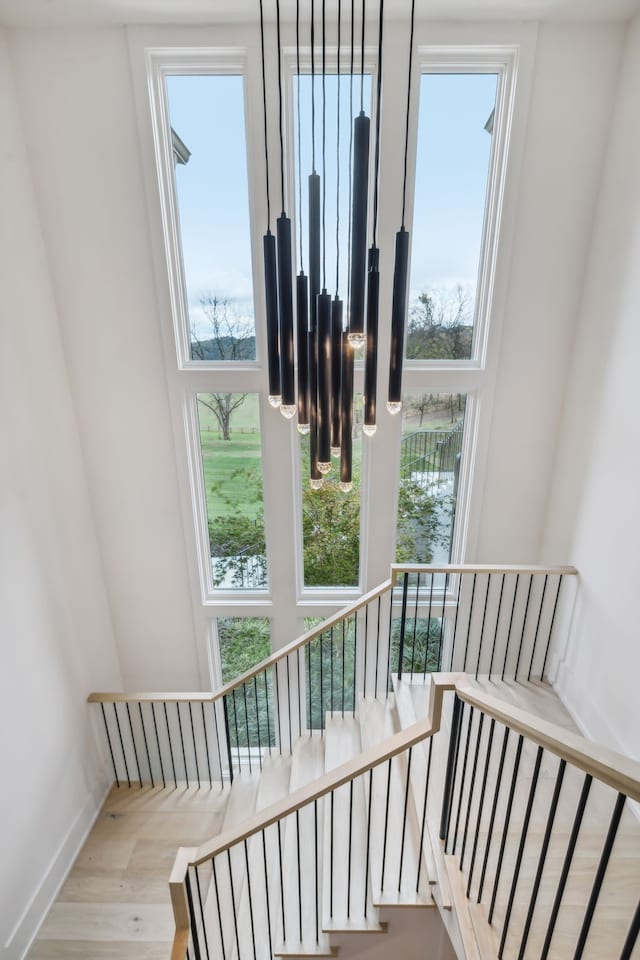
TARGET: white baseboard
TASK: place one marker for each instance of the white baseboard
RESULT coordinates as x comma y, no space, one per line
26,928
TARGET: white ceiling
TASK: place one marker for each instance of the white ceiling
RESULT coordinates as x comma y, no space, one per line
66,12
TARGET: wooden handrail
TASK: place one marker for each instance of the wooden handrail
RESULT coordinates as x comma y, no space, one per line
305,638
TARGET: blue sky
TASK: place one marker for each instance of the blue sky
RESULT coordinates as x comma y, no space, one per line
452,163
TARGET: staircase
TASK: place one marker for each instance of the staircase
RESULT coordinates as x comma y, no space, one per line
401,780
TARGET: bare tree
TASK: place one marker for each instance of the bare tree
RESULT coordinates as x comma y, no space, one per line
231,339
440,325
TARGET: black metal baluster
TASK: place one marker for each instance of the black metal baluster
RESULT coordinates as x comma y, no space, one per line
426,642
349,851
253,932
266,890
225,711
235,723
284,929
366,864
495,634
146,744
404,818
299,691
206,744
204,928
275,683
155,727
308,655
484,617
424,815
299,877
450,773
192,919
366,647
375,685
463,778
246,724
513,608
403,623
492,818
505,829
632,936
524,625
255,699
331,858
321,692
343,669
415,623
184,755
543,856
599,877
234,912
535,638
386,825
455,622
124,756
315,862
444,603
483,787
173,765
215,886
471,789
266,700
106,729
289,705
466,648
389,644
332,670
355,661
133,741
193,734
553,617
523,840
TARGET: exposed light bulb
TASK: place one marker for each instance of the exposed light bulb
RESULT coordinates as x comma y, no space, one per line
316,484
335,452
394,406
303,428
275,401
288,410
324,467
356,339
369,429
345,487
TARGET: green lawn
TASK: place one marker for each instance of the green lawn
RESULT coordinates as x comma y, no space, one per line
232,468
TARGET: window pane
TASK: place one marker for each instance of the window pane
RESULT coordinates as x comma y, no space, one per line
208,135
455,128
331,519
432,433
329,666
423,637
232,473
243,643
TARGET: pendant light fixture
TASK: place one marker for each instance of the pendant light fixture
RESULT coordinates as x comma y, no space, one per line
401,266
322,350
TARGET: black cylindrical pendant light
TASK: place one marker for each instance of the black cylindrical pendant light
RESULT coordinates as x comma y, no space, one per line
324,382
346,447
285,308
398,320
361,131
302,314
371,358
314,290
271,301
336,375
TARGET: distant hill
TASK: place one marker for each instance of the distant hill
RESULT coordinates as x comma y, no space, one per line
224,348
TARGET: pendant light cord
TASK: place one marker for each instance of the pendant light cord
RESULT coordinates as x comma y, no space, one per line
264,110
338,161
299,147
406,131
324,150
350,154
280,103
377,159
313,91
362,60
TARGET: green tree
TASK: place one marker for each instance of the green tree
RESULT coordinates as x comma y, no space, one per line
440,326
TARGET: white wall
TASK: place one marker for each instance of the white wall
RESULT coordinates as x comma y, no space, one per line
574,85
55,622
594,509
75,95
